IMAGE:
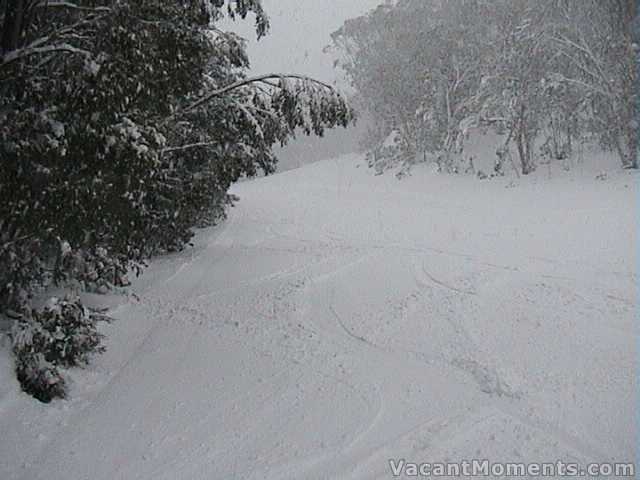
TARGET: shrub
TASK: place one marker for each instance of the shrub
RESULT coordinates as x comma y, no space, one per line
63,334
40,378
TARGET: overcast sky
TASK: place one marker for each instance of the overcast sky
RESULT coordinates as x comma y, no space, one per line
300,29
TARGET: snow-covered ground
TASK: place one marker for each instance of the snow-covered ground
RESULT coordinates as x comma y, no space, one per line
338,320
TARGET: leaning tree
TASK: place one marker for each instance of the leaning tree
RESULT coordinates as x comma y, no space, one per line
122,125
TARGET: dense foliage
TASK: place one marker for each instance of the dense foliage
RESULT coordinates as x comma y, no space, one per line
122,125
63,334
546,73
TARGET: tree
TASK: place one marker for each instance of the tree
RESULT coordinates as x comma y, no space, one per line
636,95
602,54
417,64
122,125
377,52
513,91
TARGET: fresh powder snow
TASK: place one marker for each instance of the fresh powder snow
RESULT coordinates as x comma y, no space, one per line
339,320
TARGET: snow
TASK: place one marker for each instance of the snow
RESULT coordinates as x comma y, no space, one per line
340,319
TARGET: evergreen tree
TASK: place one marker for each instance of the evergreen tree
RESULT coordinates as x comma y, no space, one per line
122,125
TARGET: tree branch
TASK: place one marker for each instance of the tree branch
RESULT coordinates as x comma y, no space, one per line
189,146
248,81
29,51
70,5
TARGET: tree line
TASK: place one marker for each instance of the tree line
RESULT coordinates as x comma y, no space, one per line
548,74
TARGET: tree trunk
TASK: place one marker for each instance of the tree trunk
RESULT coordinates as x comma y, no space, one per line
13,25
529,138
524,141
521,152
626,144
635,101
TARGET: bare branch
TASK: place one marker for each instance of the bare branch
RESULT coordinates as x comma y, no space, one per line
593,88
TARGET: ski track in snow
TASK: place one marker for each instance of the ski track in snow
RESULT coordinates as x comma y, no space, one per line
338,320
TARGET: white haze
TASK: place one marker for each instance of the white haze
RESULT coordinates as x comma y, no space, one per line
300,30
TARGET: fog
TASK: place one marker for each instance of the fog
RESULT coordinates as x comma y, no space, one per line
300,30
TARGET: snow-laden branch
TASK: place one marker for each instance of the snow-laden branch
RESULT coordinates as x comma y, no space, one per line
585,85
190,146
251,118
248,81
70,5
58,40
30,50
583,47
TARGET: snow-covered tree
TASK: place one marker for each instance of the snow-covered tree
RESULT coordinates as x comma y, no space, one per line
122,125
547,72
596,40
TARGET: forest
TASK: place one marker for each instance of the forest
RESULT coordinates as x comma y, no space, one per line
548,74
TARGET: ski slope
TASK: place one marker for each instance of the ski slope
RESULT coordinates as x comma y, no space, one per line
339,319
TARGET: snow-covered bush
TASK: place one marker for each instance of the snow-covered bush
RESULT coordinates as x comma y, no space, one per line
383,158
40,378
62,334
21,269
94,269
